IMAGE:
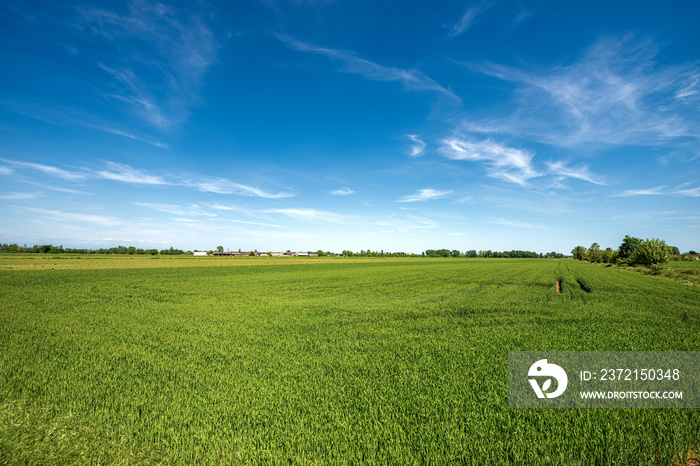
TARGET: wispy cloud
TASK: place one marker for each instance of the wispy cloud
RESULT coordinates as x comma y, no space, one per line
309,215
255,223
691,192
661,191
228,208
425,195
342,192
581,173
503,162
192,210
124,173
658,190
511,164
468,19
616,93
18,196
510,223
418,147
224,186
49,170
648,217
60,115
133,136
195,213
406,225
162,80
127,174
412,80
5,171
60,215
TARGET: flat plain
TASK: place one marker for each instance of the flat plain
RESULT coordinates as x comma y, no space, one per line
198,360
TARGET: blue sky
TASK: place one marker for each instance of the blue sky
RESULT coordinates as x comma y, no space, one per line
306,125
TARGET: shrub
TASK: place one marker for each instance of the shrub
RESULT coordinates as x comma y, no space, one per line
650,252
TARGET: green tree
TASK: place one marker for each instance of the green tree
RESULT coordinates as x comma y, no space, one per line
607,255
627,247
594,253
650,252
220,248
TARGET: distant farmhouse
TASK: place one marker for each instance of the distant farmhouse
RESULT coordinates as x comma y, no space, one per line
263,254
685,256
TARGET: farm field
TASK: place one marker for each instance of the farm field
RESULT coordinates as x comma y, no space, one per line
189,360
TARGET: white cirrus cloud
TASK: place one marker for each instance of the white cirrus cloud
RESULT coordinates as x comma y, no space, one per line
103,220
510,164
682,190
425,195
655,191
342,192
176,49
18,196
128,174
190,210
618,92
468,19
511,223
581,173
48,169
412,80
309,214
418,147
691,192
224,186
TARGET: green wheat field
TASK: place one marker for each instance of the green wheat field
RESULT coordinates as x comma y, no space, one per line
216,360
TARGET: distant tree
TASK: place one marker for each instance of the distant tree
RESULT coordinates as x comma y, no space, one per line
691,252
472,253
131,250
629,243
579,253
650,252
674,250
220,249
607,255
594,254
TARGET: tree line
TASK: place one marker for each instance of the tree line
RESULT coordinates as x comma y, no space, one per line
488,253
633,251
51,249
